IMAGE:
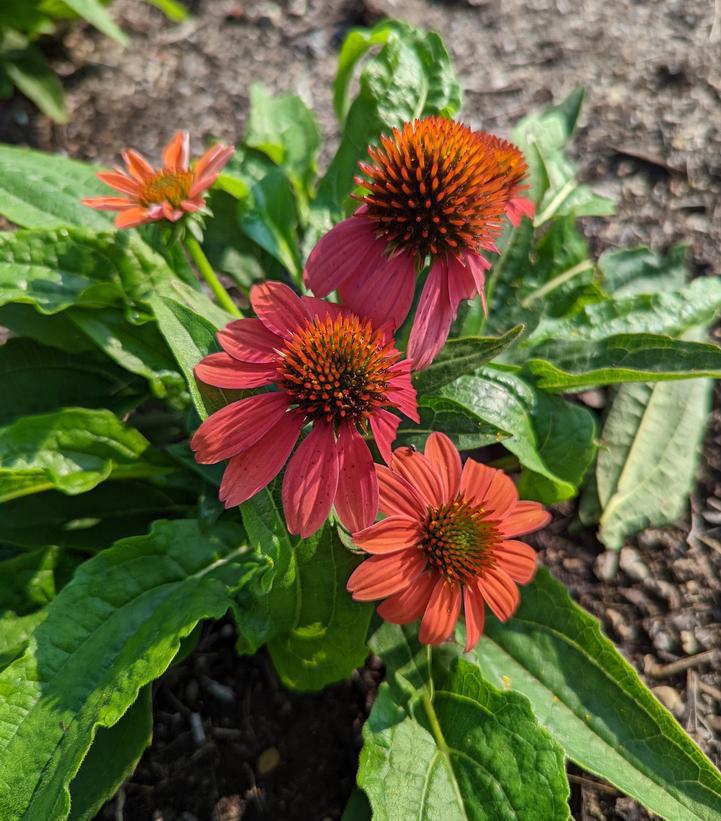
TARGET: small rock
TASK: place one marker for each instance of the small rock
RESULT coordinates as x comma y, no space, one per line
606,565
633,565
689,642
670,699
268,760
229,808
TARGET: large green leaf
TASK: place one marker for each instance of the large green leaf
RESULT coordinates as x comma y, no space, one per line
446,744
648,456
15,632
70,450
40,190
462,356
27,581
465,427
315,632
593,702
112,630
642,271
553,439
36,379
574,365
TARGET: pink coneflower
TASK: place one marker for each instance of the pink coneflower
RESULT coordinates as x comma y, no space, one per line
331,370
166,194
449,536
436,190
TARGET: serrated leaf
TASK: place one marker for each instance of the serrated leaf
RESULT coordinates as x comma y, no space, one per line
575,365
648,455
553,439
39,190
594,704
642,271
462,356
452,746
71,450
114,628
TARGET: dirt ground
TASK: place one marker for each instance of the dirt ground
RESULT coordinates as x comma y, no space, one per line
650,138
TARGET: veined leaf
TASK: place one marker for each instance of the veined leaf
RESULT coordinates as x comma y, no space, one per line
15,632
642,271
114,628
594,704
446,744
27,581
573,365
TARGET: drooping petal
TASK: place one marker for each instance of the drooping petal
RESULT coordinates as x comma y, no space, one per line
249,341
356,500
517,559
311,481
441,613
108,203
138,167
338,253
237,426
433,318
278,308
120,182
398,496
171,214
384,292
223,371
257,466
478,265
421,473
524,518
519,207
461,284
133,217
209,166
381,576
474,608
177,152
500,592
409,604
389,535
445,456
384,426
401,391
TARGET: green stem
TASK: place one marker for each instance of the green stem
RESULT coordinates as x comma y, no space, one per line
201,262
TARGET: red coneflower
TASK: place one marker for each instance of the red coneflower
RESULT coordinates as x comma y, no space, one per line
166,194
332,370
436,190
449,535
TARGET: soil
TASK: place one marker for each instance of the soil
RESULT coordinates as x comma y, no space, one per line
650,137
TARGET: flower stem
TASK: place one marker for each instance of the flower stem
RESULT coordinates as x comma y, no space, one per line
201,261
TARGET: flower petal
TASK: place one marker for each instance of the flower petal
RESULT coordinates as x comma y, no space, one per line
517,559
257,466
502,494
209,166
392,534
445,456
519,207
222,371
409,604
384,426
381,576
237,426
524,518
138,167
356,500
322,308
500,592
475,480
433,318
133,217
461,284
249,341
475,611
478,265
177,152
401,391
120,182
108,203
278,308
442,612
421,473
311,481
397,495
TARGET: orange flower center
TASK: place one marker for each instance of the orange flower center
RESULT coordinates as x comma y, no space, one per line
436,187
458,539
336,369
167,186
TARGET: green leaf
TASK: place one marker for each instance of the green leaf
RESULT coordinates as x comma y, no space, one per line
594,704
553,439
37,379
315,632
411,76
27,581
642,271
577,365
70,450
112,758
40,190
54,330
94,13
648,456
113,629
452,746
29,71
15,632
462,356
171,9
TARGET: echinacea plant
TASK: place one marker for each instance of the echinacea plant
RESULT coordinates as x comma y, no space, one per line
284,397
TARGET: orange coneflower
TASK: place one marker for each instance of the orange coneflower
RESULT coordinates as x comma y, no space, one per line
165,194
435,190
449,537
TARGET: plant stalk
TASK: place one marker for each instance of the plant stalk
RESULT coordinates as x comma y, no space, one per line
197,254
